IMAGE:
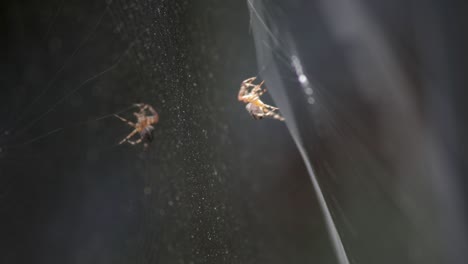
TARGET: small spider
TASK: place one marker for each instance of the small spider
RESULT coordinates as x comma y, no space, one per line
143,125
255,106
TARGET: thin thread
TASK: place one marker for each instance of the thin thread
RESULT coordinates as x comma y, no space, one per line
59,129
28,126
57,74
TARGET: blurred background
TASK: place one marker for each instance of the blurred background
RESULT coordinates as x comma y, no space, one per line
368,167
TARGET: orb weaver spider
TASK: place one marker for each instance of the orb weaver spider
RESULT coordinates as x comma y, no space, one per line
143,126
255,106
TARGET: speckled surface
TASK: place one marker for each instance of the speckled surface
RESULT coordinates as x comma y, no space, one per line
215,186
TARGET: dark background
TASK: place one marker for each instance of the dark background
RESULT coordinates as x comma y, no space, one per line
213,187
216,186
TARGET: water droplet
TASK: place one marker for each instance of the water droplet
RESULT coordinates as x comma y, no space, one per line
302,78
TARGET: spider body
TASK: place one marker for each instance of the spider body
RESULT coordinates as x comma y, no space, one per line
254,110
143,126
250,94
147,134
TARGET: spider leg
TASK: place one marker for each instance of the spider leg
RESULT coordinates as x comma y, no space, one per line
151,110
258,88
125,120
275,116
260,93
260,84
278,117
244,90
249,81
270,108
272,115
144,107
129,136
263,106
154,118
138,114
135,142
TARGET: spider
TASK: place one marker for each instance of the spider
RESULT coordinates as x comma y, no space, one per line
143,125
255,106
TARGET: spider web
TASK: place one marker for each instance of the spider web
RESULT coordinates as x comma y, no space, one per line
198,194
214,186
350,105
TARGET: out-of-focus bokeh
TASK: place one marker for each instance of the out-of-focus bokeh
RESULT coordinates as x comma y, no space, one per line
370,91
368,167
